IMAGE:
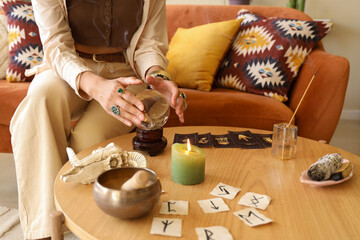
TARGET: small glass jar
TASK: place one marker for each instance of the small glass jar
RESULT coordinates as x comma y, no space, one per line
284,141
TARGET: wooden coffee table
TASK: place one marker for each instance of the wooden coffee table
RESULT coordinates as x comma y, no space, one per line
299,211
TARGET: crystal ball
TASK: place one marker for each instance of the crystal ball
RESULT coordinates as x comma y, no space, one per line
156,110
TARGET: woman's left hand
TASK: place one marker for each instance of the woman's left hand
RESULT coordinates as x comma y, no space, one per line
171,92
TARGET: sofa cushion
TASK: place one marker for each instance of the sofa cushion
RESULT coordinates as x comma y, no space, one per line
5,139
227,107
11,95
267,54
4,46
195,53
25,47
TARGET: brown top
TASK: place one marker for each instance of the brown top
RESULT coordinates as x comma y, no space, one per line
104,23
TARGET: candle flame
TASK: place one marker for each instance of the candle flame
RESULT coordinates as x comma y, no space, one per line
188,145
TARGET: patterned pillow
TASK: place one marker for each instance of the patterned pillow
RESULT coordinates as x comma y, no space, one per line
25,47
267,54
4,45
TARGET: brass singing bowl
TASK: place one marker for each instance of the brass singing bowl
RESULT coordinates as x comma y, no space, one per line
125,204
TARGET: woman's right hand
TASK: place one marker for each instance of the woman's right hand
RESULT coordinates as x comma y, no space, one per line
105,91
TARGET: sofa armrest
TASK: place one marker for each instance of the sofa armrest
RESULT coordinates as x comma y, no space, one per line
319,113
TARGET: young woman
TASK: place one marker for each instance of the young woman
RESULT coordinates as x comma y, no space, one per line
97,55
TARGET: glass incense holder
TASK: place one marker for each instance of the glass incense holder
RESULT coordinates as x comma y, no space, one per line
284,141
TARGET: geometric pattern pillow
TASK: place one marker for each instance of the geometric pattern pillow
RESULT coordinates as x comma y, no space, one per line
4,45
25,49
267,53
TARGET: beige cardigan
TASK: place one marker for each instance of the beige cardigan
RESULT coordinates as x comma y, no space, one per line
147,48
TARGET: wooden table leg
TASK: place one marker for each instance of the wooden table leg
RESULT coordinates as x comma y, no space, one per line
56,225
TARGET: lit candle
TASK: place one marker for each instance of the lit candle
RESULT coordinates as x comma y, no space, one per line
187,164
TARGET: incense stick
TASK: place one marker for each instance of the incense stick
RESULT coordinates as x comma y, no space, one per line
297,107
283,144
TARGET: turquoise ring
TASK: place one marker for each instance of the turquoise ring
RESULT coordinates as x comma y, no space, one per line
120,90
115,109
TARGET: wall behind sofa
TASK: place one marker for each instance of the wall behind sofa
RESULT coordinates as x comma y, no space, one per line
343,39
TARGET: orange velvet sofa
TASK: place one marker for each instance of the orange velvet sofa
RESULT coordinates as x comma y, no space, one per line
316,119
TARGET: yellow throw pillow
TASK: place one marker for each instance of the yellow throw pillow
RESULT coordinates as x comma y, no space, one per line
196,53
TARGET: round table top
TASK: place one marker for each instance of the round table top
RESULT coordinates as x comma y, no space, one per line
298,210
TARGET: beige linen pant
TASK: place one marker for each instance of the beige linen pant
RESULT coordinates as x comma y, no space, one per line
41,131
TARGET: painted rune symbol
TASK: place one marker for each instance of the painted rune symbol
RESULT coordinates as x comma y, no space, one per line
214,206
255,200
169,207
167,223
223,189
208,234
249,215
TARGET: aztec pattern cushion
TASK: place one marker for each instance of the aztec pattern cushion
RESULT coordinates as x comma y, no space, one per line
267,54
25,47
4,45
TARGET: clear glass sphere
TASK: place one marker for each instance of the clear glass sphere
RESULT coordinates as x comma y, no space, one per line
156,111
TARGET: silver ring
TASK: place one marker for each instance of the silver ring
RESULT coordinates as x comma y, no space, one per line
183,96
115,109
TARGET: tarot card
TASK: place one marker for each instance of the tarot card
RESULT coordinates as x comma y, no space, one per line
265,139
182,138
223,141
246,139
205,140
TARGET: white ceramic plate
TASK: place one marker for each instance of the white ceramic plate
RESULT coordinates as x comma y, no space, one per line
304,178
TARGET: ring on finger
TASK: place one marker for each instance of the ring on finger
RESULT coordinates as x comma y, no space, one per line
120,90
183,96
115,109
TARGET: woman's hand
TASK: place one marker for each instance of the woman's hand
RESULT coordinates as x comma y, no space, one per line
113,96
171,92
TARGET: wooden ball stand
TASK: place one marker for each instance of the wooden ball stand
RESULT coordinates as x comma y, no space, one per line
151,141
